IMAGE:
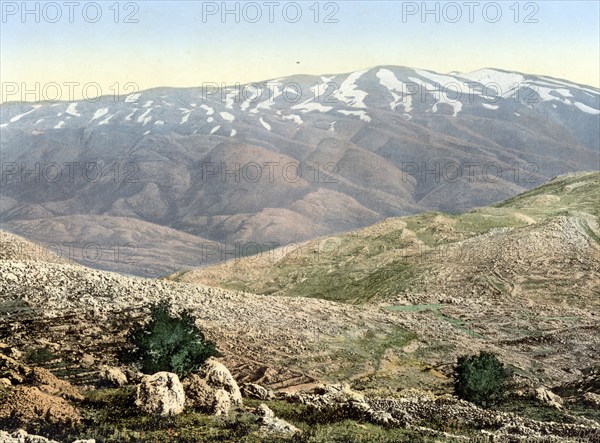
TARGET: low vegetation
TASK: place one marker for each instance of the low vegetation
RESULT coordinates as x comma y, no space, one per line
481,379
168,343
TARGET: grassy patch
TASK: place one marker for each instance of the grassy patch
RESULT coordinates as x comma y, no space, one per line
39,356
364,355
533,409
111,417
12,308
460,325
354,285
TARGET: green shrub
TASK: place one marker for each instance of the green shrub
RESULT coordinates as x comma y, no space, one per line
39,356
168,343
481,379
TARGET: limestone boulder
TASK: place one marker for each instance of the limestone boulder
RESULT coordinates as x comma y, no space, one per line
161,394
212,389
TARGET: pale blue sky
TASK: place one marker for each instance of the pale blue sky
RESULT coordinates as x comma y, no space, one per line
172,46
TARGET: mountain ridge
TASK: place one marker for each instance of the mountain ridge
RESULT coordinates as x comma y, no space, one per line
349,150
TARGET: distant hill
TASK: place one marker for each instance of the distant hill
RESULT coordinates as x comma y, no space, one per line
542,243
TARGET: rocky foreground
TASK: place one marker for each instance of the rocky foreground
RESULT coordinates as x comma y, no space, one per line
37,397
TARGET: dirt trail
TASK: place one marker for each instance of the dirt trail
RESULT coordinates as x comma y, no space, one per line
527,219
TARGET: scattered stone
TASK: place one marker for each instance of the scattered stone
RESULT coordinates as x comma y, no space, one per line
160,394
10,351
258,392
591,399
133,376
13,370
111,377
273,425
213,389
21,436
88,360
548,397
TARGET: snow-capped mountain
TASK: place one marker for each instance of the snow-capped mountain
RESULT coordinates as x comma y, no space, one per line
286,159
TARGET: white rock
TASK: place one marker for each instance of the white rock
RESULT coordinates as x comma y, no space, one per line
273,425
112,377
550,398
213,389
160,394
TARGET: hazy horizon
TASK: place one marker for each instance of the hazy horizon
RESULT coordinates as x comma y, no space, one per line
183,44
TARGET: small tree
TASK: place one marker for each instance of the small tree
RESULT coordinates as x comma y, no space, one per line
168,343
480,379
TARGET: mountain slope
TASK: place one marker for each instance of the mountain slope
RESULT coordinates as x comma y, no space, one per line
557,221
517,275
261,163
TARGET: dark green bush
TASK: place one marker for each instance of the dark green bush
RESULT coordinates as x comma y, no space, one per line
481,379
168,343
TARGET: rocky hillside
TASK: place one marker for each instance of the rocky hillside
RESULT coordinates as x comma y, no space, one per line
543,243
524,271
516,277
210,170
407,296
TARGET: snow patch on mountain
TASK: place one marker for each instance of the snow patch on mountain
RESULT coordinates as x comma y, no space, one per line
488,106
586,108
132,98
553,82
293,117
227,116
310,105
106,120
389,80
16,118
448,83
256,92
208,109
72,110
128,118
215,129
506,82
99,113
230,99
143,118
549,94
274,92
361,114
442,97
349,93
265,124
289,90
59,125
186,115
